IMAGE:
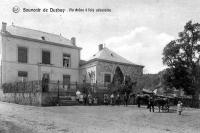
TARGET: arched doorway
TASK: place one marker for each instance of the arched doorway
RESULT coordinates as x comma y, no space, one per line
118,77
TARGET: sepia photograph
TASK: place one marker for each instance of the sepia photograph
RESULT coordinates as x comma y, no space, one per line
100,66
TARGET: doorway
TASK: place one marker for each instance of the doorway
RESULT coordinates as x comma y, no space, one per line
45,82
118,77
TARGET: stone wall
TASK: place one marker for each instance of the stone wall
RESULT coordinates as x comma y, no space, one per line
22,98
133,71
35,99
29,93
49,99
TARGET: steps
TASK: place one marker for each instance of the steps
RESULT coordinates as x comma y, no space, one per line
67,101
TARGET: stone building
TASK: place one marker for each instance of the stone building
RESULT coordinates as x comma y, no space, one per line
28,54
107,66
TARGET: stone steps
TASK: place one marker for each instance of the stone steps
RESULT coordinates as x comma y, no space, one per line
66,101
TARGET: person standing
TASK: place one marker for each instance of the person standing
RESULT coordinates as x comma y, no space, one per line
112,99
118,99
179,107
78,93
138,100
151,104
105,99
90,99
125,99
85,98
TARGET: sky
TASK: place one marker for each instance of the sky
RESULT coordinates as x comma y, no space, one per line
138,30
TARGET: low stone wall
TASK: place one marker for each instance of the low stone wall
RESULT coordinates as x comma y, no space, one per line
49,99
23,98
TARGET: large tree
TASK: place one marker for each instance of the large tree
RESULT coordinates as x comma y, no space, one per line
182,56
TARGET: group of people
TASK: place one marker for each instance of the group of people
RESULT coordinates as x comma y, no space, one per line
112,99
116,99
86,99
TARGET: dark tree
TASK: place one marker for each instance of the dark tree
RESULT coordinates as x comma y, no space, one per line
182,57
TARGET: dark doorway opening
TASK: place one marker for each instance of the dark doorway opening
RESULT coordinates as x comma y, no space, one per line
118,77
45,82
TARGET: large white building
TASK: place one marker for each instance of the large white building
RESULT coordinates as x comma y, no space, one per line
28,54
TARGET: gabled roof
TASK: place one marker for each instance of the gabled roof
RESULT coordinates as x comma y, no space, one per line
36,34
108,55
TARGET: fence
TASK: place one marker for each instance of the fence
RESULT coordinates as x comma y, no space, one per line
22,87
52,86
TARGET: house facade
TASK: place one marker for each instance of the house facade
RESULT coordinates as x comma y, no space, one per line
28,54
107,66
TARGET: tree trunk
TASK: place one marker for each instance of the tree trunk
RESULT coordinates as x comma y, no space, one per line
195,99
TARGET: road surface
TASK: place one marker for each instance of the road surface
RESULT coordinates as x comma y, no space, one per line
94,119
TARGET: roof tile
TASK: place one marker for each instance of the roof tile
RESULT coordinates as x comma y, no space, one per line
107,54
39,35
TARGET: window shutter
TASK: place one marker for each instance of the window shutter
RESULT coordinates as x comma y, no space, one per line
46,57
22,54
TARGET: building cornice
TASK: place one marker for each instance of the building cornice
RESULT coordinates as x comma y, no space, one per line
40,41
40,65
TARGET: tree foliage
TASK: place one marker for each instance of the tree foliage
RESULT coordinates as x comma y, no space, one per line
148,81
182,56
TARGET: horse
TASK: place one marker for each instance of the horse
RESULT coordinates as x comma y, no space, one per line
162,103
142,99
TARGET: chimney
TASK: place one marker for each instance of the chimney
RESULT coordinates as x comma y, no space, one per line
100,47
3,29
73,41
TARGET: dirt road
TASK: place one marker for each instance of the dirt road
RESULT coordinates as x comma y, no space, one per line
94,119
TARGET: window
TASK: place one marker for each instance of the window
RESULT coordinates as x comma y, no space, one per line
46,57
66,60
22,55
107,78
66,81
22,75
92,76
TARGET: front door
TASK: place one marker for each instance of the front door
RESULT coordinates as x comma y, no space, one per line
66,81
45,82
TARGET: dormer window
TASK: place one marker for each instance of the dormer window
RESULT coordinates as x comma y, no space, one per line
111,54
43,38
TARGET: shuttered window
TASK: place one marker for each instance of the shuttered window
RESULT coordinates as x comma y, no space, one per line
46,57
22,55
